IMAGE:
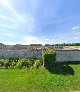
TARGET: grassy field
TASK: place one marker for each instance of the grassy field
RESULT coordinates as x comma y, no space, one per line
41,80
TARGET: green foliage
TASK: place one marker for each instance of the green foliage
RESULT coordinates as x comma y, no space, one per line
13,59
49,58
6,63
19,65
1,62
13,64
37,63
24,63
29,63
32,60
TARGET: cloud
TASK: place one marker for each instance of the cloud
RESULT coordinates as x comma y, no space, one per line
32,40
14,19
7,26
37,40
9,34
69,37
75,27
29,39
4,17
10,42
25,41
7,4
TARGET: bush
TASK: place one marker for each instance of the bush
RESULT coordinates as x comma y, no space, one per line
6,63
28,63
1,62
37,63
13,64
19,65
13,59
49,58
24,63
32,60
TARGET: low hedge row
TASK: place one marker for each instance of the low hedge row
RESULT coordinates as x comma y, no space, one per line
19,63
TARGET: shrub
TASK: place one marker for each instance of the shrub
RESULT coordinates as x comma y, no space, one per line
19,65
13,59
6,63
13,64
1,62
49,58
24,63
37,63
28,63
32,60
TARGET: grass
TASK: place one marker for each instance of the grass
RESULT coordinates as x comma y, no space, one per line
40,80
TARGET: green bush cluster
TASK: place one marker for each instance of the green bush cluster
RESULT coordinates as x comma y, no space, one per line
49,58
13,59
19,63
37,63
1,62
24,63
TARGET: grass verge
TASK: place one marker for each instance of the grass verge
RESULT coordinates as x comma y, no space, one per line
39,80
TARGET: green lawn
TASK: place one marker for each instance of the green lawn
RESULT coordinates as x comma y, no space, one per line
39,80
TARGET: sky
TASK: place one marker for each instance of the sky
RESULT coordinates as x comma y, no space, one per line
39,21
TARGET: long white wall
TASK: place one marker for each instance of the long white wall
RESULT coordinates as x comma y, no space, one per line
67,55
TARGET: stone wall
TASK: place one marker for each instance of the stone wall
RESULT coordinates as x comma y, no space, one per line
67,55
61,55
20,54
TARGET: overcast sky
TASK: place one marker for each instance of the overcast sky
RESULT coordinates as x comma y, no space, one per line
39,21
